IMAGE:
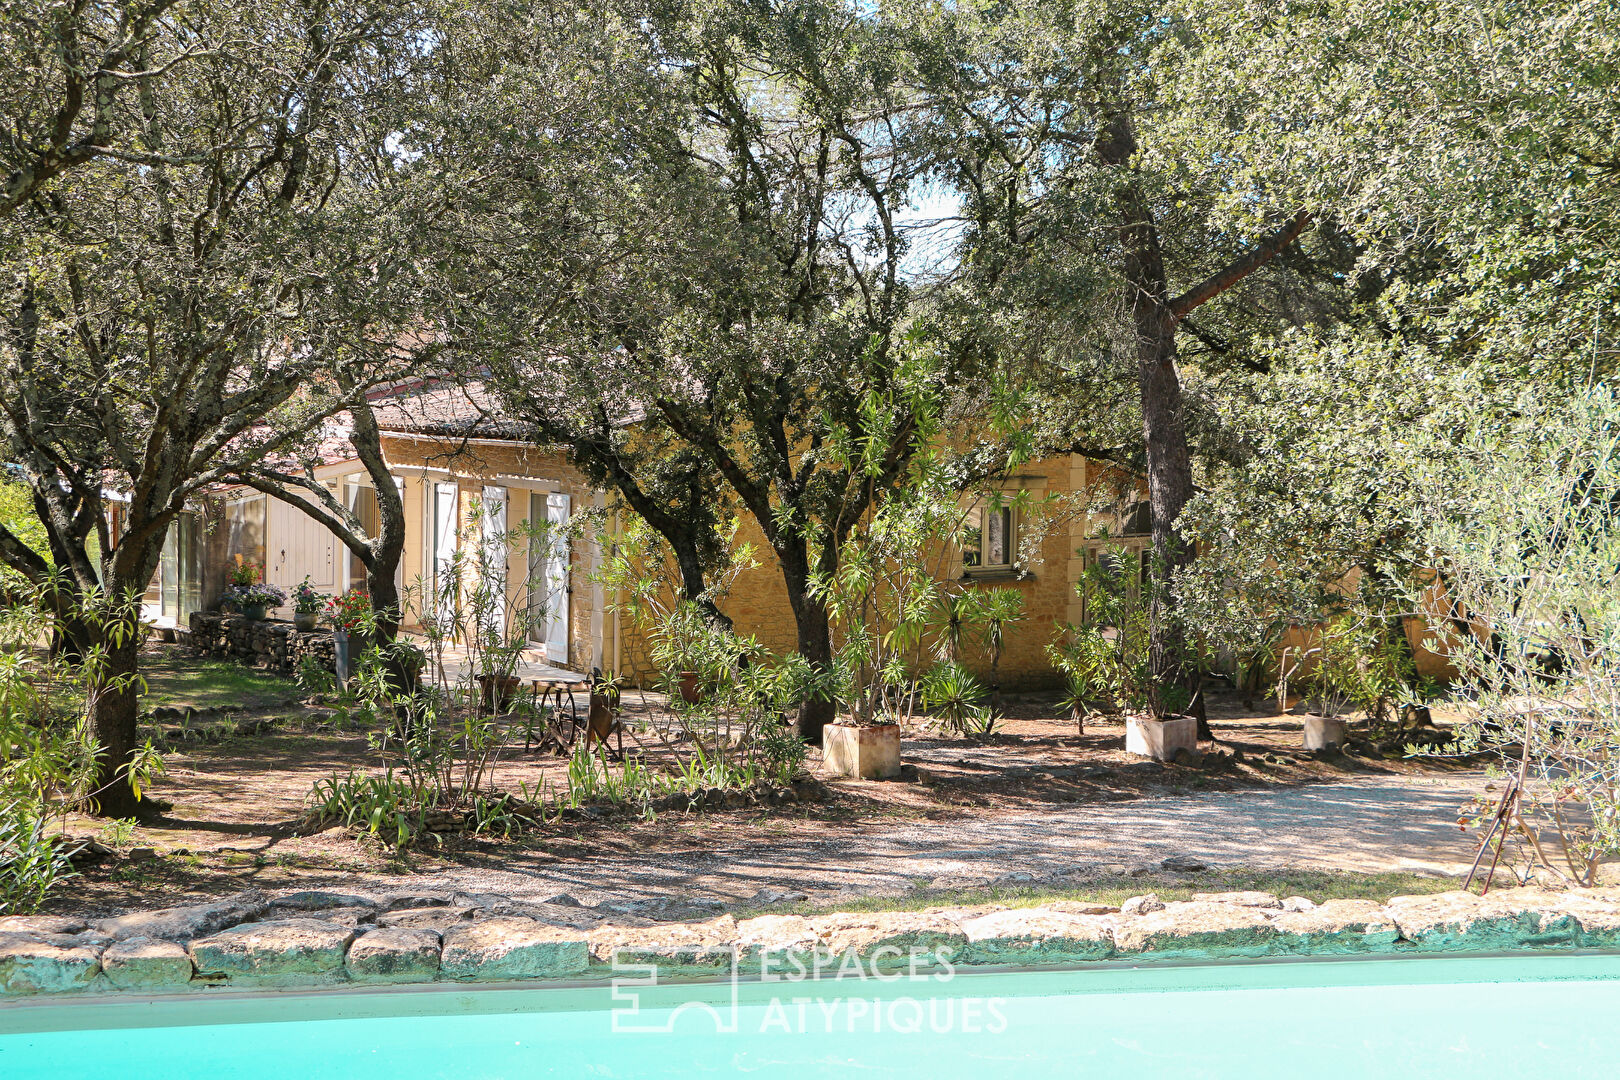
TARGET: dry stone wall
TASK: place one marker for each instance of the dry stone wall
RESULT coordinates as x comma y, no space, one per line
318,939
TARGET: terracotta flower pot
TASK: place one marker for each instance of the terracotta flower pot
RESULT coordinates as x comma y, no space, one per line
499,691
691,691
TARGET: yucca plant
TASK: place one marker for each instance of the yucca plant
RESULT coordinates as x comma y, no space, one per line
956,699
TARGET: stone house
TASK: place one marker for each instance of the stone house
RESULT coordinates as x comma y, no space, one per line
450,451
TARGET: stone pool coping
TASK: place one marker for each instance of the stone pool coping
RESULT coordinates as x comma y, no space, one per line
305,940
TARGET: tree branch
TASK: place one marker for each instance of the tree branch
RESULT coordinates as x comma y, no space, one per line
1239,268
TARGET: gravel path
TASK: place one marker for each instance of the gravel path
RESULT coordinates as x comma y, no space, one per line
1397,823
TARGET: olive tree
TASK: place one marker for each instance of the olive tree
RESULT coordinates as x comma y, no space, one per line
1532,577
1084,207
72,77
170,323
770,319
1471,182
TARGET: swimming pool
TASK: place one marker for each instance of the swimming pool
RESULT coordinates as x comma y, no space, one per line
1480,1017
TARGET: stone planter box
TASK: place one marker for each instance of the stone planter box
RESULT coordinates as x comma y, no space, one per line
348,646
1322,732
870,753
1148,737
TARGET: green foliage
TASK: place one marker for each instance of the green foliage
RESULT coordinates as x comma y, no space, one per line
727,693
956,699
387,807
782,753
1531,577
119,832
47,750
1355,664
1104,659
441,731
32,860
18,518
593,779
313,676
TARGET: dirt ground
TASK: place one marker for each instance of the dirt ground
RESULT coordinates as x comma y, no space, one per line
238,803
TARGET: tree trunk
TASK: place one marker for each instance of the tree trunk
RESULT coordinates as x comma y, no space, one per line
690,563
113,719
71,635
1164,429
815,645
814,629
384,594
1169,466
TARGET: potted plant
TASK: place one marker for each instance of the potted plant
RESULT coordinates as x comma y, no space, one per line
499,690
1346,670
307,605
238,577
350,614
253,600
406,663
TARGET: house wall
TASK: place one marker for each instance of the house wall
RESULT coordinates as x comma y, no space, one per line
424,461
1051,535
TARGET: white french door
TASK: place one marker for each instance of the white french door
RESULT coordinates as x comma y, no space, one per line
445,498
493,526
548,573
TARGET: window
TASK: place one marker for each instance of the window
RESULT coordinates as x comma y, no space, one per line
988,538
363,504
446,509
180,569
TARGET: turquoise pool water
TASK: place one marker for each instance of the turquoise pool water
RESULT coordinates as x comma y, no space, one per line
1521,1017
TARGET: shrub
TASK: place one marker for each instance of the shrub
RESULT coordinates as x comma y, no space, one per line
1104,658
1533,626
955,697
32,860
1355,665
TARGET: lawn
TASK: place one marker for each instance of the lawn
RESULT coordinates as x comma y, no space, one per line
175,677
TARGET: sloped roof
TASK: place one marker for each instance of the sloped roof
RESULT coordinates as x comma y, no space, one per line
448,409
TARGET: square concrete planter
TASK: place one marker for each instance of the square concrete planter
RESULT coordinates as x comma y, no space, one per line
1160,739
871,753
1322,732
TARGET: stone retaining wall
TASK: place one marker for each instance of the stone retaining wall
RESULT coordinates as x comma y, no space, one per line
261,642
313,939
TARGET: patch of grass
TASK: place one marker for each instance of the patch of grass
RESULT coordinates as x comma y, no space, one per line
1114,889
176,679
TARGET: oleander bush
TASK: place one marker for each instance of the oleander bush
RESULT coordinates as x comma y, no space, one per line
47,751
